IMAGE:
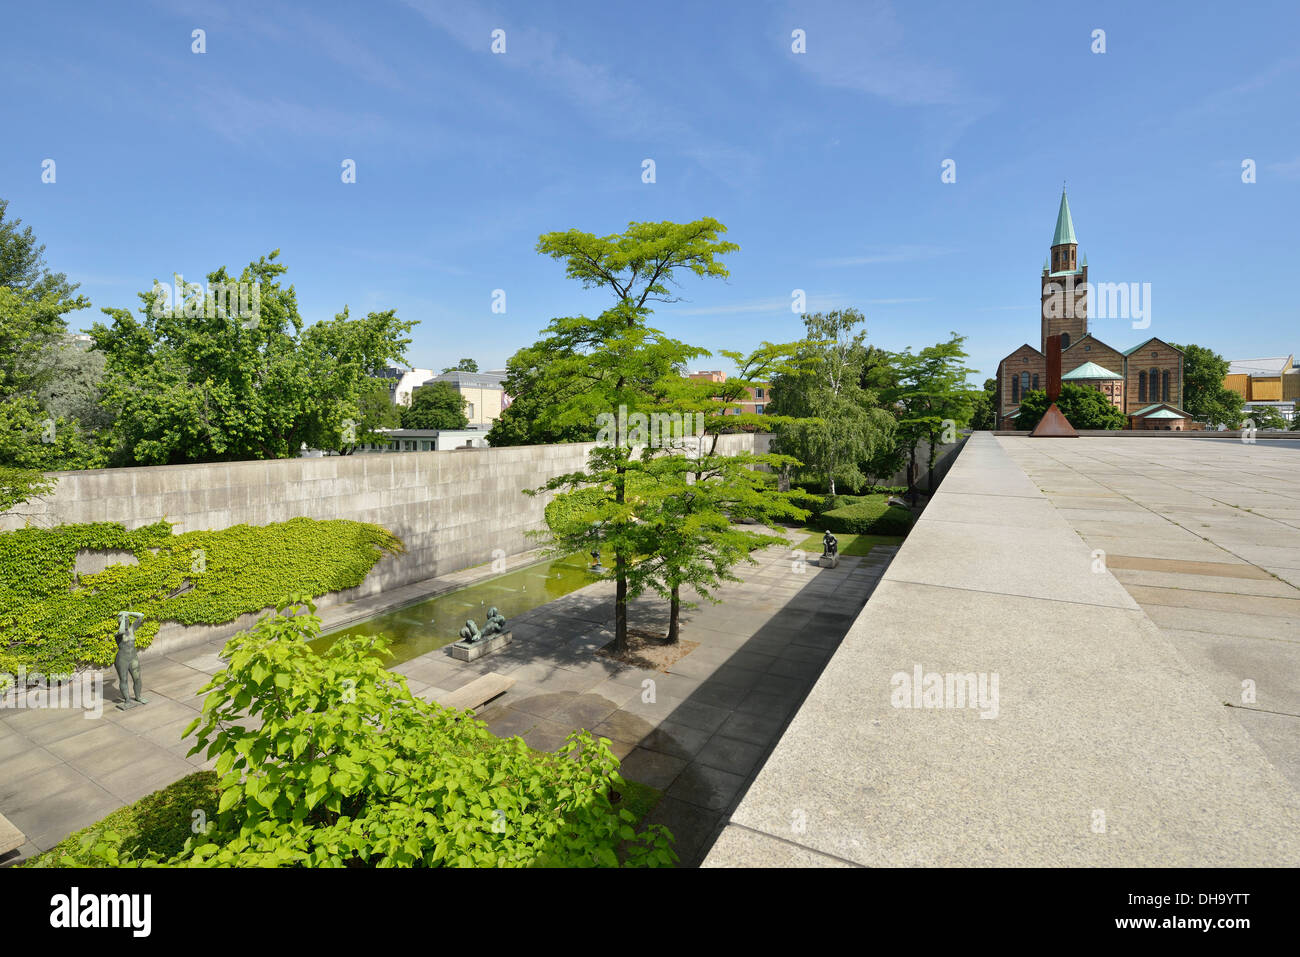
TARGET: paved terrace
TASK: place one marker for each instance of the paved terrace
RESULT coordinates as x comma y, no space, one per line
1112,744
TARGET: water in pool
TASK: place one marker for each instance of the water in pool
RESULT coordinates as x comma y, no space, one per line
420,628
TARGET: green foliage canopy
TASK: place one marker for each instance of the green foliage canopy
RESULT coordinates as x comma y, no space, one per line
437,405
836,426
1205,398
189,387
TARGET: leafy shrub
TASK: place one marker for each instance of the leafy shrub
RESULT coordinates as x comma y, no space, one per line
51,622
328,760
871,515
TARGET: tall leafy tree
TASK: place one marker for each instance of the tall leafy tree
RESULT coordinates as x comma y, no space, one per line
34,305
930,398
616,366
688,509
538,394
1205,397
464,365
435,406
836,423
202,383
984,406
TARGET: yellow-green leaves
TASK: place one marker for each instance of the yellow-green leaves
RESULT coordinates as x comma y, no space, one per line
346,767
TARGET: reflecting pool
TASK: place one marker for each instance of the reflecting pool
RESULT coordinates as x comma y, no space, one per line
430,624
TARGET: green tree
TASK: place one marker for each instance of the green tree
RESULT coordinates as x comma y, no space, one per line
1266,418
836,424
464,365
690,495
984,406
687,510
1205,397
1084,407
615,365
375,411
435,406
72,390
539,394
202,383
34,304
931,401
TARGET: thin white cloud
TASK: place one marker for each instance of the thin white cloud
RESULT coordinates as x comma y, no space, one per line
1287,170
611,100
861,46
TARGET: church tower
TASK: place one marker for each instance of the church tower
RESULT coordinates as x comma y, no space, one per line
1065,296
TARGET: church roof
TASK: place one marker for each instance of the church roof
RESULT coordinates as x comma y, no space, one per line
1167,411
1064,225
1129,352
1090,370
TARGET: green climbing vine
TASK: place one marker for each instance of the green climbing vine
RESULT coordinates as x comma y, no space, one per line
51,621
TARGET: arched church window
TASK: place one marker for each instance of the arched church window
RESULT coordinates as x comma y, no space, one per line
1035,380
1065,340
1024,382
1164,386
1015,388
1153,383
1142,386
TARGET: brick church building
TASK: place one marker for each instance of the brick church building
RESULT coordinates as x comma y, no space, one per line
1145,381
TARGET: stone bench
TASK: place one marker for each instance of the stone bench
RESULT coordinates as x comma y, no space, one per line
478,692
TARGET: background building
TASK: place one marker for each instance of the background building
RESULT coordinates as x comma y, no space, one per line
424,440
484,394
759,395
402,382
1272,383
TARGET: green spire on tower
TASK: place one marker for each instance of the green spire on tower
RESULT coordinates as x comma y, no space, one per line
1064,225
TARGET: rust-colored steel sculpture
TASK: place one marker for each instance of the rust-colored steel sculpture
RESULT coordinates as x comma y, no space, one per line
1053,424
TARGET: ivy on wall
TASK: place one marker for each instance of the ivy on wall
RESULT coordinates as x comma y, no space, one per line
51,621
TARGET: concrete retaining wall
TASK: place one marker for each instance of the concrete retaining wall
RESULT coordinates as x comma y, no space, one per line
452,509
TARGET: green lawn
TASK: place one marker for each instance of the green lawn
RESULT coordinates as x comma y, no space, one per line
859,545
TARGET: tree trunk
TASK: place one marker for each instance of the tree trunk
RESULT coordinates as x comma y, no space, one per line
911,474
620,603
674,606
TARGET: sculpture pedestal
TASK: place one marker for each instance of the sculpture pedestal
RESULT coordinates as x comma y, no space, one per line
829,561
463,651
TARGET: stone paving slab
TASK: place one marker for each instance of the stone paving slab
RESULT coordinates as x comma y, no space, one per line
1097,712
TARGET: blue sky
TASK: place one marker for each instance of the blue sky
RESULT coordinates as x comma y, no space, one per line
825,166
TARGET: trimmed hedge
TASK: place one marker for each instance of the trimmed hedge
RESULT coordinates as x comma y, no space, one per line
51,622
869,515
